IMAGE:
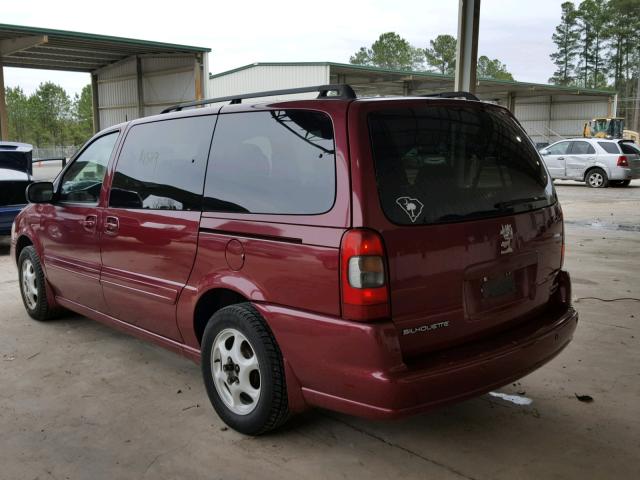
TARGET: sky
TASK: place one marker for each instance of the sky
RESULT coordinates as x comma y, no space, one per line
517,32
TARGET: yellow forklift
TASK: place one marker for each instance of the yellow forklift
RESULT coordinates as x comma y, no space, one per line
608,127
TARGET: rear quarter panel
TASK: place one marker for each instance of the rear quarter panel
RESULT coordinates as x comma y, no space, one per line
287,260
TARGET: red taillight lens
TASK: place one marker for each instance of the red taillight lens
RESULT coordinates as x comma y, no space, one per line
363,276
622,161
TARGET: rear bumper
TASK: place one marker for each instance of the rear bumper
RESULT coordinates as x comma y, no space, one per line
622,173
357,369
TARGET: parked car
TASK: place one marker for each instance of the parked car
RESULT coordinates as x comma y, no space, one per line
376,257
597,161
15,175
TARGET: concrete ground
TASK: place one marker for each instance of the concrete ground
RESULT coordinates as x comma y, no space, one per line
81,401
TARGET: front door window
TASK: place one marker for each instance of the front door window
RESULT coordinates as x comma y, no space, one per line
82,182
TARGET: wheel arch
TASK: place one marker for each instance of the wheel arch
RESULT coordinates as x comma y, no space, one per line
209,303
22,242
599,166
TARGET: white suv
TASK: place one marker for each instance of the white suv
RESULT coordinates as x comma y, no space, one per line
597,161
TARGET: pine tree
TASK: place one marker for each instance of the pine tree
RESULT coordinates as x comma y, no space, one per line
592,20
566,39
441,54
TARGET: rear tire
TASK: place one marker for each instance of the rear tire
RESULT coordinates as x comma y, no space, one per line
33,286
597,178
243,370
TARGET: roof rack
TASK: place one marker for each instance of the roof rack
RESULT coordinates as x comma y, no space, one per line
465,95
343,91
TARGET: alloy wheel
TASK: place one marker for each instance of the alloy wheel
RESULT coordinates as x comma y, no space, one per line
29,285
236,371
596,179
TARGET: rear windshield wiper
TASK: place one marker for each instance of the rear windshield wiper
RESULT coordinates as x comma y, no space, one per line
452,217
519,201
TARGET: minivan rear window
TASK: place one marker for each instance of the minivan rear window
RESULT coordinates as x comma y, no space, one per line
437,164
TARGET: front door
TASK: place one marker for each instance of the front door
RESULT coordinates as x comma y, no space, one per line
69,227
581,155
555,158
150,228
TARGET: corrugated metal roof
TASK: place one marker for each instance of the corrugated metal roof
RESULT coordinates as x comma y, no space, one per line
436,79
31,47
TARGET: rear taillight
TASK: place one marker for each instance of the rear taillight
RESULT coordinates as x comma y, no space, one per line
365,295
622,161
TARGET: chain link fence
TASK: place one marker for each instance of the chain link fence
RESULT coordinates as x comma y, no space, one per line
48,161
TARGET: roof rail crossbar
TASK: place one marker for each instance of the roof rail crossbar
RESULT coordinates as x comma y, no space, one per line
466,95
342,91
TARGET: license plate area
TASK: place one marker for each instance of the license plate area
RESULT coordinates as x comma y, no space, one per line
498,286
492,287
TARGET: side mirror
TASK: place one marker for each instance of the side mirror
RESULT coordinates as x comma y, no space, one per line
544,151
39,192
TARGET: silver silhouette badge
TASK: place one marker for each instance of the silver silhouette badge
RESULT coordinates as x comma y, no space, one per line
411,206
506,245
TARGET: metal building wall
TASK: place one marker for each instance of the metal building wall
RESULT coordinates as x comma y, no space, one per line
164,80
270,77
167,81
117,93
551,118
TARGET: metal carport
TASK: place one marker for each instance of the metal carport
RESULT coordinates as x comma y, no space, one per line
547,112
130,78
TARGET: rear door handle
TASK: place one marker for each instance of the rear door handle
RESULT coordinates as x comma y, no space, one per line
560,158
89,223
111,225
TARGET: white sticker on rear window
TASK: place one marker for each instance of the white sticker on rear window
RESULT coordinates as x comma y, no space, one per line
411,206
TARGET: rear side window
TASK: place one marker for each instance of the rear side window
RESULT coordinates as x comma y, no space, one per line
277,162
582,148
162,165
447,164
609,147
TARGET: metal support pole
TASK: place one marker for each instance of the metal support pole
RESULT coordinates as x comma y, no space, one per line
467,46
140,87
95,99
511,102
549,119
4,118
636,112
199,77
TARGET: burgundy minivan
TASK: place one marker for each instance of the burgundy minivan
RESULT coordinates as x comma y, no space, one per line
377,257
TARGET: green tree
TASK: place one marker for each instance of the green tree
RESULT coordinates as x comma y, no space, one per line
566,38
82,126
441,54
623,30
52,112
18,114
390,51
493,69
592,18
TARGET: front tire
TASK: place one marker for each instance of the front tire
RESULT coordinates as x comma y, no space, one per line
33,286
597,178
243,370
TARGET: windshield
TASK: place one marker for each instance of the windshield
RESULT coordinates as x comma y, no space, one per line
447,164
